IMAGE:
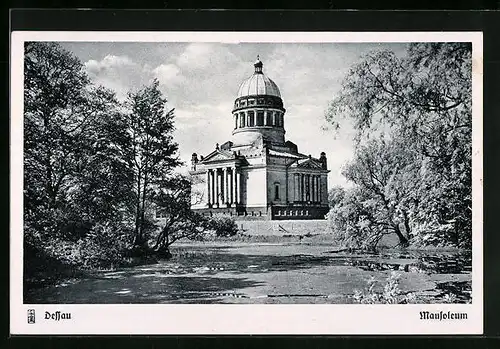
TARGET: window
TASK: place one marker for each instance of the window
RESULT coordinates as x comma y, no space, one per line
280,120
251,121
260,101
251,102
243,103
235,120
276,192
260,118
269,118
242,120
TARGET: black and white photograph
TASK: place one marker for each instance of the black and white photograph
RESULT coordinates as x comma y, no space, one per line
249,172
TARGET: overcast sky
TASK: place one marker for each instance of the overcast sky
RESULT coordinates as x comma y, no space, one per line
200,80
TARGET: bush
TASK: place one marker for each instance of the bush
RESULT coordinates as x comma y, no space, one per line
104,246
223,226
391,293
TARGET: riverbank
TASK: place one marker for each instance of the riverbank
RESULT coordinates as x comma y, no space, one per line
273,270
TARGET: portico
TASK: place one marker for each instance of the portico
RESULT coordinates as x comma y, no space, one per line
222,187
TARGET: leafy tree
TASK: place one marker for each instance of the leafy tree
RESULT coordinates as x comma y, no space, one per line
55,87
336,195
423,99
384,174
76,159
154,152
173,199
101,190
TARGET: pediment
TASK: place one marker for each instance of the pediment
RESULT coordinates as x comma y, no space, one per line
218,155
309,164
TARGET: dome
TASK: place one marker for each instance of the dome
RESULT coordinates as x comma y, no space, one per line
258,84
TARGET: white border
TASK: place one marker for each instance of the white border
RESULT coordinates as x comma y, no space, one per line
241,319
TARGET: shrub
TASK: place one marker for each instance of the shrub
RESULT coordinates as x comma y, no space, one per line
391,293
223,226
104,246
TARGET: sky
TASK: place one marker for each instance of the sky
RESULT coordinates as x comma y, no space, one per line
200,80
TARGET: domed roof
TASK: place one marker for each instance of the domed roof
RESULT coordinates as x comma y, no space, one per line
258,84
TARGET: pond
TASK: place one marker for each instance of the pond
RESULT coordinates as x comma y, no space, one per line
268,273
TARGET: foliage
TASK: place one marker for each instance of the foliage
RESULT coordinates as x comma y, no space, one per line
390,294
336,195
419,105
172,197
104,246
223,226
77,163
154,157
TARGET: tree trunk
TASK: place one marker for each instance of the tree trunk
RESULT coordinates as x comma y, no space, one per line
138,211
163,245
143,205
402,239
407,223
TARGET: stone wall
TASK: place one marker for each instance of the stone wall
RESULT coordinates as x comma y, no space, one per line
287,227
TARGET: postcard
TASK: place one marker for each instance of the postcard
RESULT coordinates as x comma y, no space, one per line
246,183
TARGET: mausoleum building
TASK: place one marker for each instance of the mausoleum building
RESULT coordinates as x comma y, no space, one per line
257,174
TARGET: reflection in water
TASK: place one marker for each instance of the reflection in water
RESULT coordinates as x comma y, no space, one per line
205,274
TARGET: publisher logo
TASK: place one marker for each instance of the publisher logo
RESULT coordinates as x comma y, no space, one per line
31,316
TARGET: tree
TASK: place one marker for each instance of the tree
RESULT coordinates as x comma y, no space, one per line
154,152
385,173
76,160
336,195
173,199
55,107
424,100
100,191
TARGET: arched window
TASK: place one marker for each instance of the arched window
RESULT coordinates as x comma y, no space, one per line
260,118
276,191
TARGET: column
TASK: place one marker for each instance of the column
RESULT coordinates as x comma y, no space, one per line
311,195
209,196
310,188
222,185
231,186
217,189
247,116
235,198
315,185
274,118
303,187
265,117
226,186
238,187
295,187
319,188
212,186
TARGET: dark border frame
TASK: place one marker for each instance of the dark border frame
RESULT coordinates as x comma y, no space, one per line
312,20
